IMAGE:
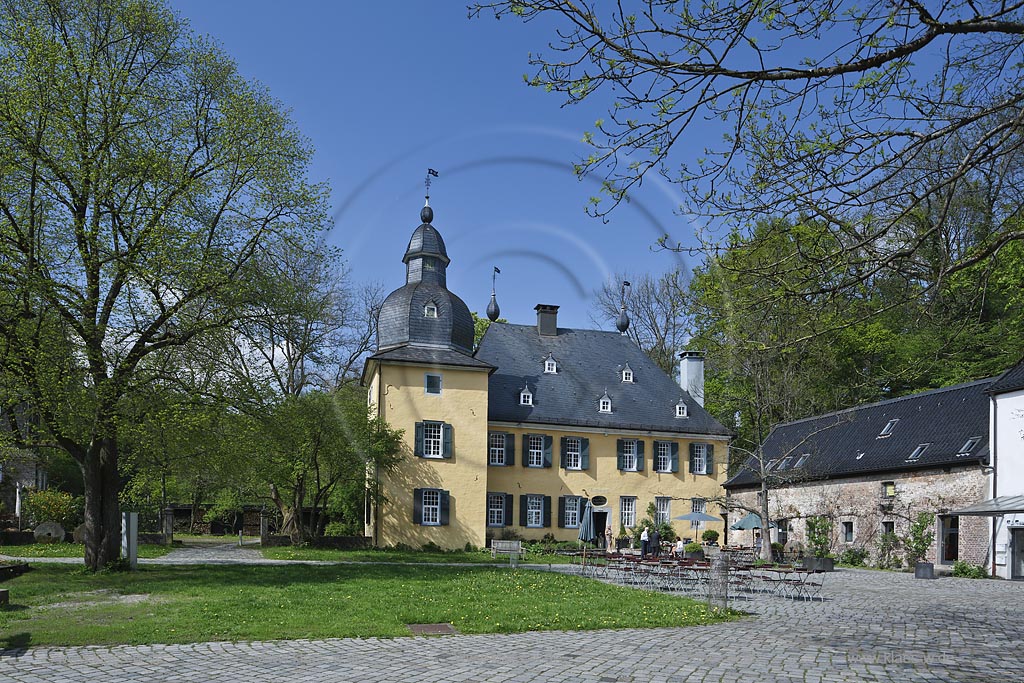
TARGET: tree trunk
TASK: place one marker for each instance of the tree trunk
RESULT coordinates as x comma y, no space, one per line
102,507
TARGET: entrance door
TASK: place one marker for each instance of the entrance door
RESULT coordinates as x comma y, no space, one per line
600,524
1017,563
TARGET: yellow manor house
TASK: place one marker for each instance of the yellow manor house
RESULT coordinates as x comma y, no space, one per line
517,434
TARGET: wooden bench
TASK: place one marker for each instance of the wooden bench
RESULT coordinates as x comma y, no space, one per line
514,550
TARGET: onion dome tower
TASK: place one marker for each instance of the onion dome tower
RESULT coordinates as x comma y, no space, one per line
423,312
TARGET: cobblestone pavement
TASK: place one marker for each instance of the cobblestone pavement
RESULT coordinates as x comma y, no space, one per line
872,626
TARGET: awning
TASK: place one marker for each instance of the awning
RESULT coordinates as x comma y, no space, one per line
994,507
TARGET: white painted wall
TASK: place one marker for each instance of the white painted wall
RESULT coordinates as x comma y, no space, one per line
1008,442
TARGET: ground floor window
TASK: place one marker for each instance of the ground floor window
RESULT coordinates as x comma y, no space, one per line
534,511
950,538
663,510
848,532
783,528
627,511
431,507
572,512
697,505
495,509
889,528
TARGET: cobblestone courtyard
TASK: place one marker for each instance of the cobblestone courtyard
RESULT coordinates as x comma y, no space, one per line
872,626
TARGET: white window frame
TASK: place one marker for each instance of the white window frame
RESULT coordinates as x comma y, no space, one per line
525,398
496,509
431,508
680,409
969,446
572,512
534,512
662,510
629,455
426,384
433,439
535,450
698,505
627,375
918,452
496,448
550,367
573,453
662,456
700,452
430,310
604,405
627,511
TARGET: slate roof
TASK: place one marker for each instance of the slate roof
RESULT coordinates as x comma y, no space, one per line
1011,380
429,356
848,443
401,319
589,362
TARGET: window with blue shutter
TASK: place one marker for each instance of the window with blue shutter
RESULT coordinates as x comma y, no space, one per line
447,448
417,506
619,451
547,511
639,456
510,449
675,457
584,454
548,442
445,502
418,444
508,509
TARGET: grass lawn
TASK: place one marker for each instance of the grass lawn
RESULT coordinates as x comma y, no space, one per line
71,550
405,556
61,605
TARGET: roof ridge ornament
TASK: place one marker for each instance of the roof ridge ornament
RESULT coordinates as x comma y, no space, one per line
427,213
493,310
622,323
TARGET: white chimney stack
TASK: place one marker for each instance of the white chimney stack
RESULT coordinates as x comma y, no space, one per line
691,374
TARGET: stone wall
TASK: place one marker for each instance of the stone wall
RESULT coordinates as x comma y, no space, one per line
861,500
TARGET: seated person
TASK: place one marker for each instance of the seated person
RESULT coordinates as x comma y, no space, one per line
678,549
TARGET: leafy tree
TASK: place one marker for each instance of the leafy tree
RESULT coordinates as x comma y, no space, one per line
140,177
904,109
480,326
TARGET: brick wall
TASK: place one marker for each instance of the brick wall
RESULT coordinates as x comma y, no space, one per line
860,500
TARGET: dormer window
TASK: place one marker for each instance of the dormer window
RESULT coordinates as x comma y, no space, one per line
627,374
680,409
526,397
604,405
887,429
430,310
969,446
550,366
921,448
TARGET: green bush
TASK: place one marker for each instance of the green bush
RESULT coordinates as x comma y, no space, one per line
336,529
692,547
966,570
819,536
709,536
888,552
53,506
854,557
919,538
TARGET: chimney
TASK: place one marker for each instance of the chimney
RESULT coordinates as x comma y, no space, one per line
691,374
547,319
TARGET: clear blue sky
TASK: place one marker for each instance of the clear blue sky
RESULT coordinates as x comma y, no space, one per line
385,90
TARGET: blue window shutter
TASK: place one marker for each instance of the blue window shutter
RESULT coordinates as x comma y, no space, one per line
710,459
618,451
548,441
444,508
674,448
525,456
508,509
693,457
446,437
418,446
585,454
417,506
561,462
547,511
510,449
639,456
522,510
561,511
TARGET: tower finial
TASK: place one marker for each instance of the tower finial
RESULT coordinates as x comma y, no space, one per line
492,308
622,323
426,213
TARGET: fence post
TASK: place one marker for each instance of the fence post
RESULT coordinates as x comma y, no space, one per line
718,583
167,525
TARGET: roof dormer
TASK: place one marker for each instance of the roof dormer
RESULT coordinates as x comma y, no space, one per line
681,409
604,404
627,374
550,365
526,396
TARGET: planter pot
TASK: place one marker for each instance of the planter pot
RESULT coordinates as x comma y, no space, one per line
924,570
819,564
621,543
695,555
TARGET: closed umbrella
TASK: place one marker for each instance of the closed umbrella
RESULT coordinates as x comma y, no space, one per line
587,534
751,521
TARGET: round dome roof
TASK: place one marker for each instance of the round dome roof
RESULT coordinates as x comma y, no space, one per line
425,313
426,241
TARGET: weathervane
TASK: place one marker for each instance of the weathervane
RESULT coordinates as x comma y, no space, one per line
492,308
426,182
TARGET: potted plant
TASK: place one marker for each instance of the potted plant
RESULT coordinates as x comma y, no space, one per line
623,540
693,551
819,540
919,538
710,537
777,550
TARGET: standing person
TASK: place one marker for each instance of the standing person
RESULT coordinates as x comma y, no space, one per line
645,547
757,546
655,543
608,537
